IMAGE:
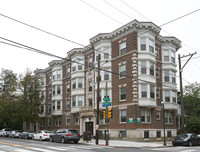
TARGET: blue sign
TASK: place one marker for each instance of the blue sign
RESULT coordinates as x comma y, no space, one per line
106,104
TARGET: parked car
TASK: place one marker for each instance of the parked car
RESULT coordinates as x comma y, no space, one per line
6,132
15,133
186,139
65,135
27,134
42,135
1,133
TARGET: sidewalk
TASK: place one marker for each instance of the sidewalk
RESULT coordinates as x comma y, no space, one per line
122,143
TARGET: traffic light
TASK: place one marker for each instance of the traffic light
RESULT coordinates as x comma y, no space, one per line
104,114
109,113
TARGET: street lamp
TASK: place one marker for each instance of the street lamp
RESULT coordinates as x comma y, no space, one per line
164,143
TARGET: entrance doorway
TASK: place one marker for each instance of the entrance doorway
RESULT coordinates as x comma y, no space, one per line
89,127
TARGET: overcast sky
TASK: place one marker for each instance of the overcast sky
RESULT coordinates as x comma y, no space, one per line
75,20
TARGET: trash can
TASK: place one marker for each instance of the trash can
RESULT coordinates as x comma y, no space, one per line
86,136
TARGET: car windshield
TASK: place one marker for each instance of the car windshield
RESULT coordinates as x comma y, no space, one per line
183,136
73,131
46,131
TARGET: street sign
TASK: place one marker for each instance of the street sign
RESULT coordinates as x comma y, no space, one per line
105,104
106,99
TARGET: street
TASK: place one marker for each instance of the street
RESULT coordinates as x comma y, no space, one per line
22,145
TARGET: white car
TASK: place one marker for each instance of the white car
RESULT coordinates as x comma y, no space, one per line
42,135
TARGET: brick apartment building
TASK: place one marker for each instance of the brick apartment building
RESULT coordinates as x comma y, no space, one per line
142,74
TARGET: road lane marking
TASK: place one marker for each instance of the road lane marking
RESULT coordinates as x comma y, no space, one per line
44,150
15,145
2,151
22,150
55,148
191,150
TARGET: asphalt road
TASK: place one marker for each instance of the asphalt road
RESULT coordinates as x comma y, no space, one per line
24,145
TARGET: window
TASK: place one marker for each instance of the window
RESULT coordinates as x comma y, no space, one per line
49,121
167,96
50,79
49,108
173,77
80,100
76,119
158,134
68,71
80,82
80,65
42,108
169,134
122,48
42,122
90,102
146,134
73,101
53,105
67,120
158,115
54,90
58,105
90,62
144,91
157,73
106,75
143,44
166,74
67,104
173,57
106,54
54,75
74,84
73,66
174,96
90,86
42,81
58,89
166,55
59,74
143,67
151,46
157,93
49,93
122,70
123,93
152,93
157,53
122,134
57,121
151,65
145,116
168,117
123,115
67,88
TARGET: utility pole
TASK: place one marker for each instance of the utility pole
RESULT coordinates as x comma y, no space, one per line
181,87
98,79
107,132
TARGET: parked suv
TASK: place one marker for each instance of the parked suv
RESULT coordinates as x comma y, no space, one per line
6,132
65,135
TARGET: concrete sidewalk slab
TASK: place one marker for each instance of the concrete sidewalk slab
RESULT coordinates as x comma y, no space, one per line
123,143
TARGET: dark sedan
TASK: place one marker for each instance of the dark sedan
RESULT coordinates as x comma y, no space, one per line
65,135
27,134
187,139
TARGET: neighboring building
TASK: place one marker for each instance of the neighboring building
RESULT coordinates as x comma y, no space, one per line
143,73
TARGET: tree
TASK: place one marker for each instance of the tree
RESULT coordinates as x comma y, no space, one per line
30,99
192,99
193,125
8,97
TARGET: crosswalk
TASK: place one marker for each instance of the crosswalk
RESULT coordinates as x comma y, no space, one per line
177,149
49,148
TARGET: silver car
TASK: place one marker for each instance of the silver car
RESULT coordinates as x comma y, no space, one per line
65,135
6,132
15,134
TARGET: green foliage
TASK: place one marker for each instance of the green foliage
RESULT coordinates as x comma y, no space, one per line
193,125
192,99
19,99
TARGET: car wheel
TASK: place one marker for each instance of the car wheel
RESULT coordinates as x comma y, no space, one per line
40,138
63,140
51,139
76,142
26,137
190,143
